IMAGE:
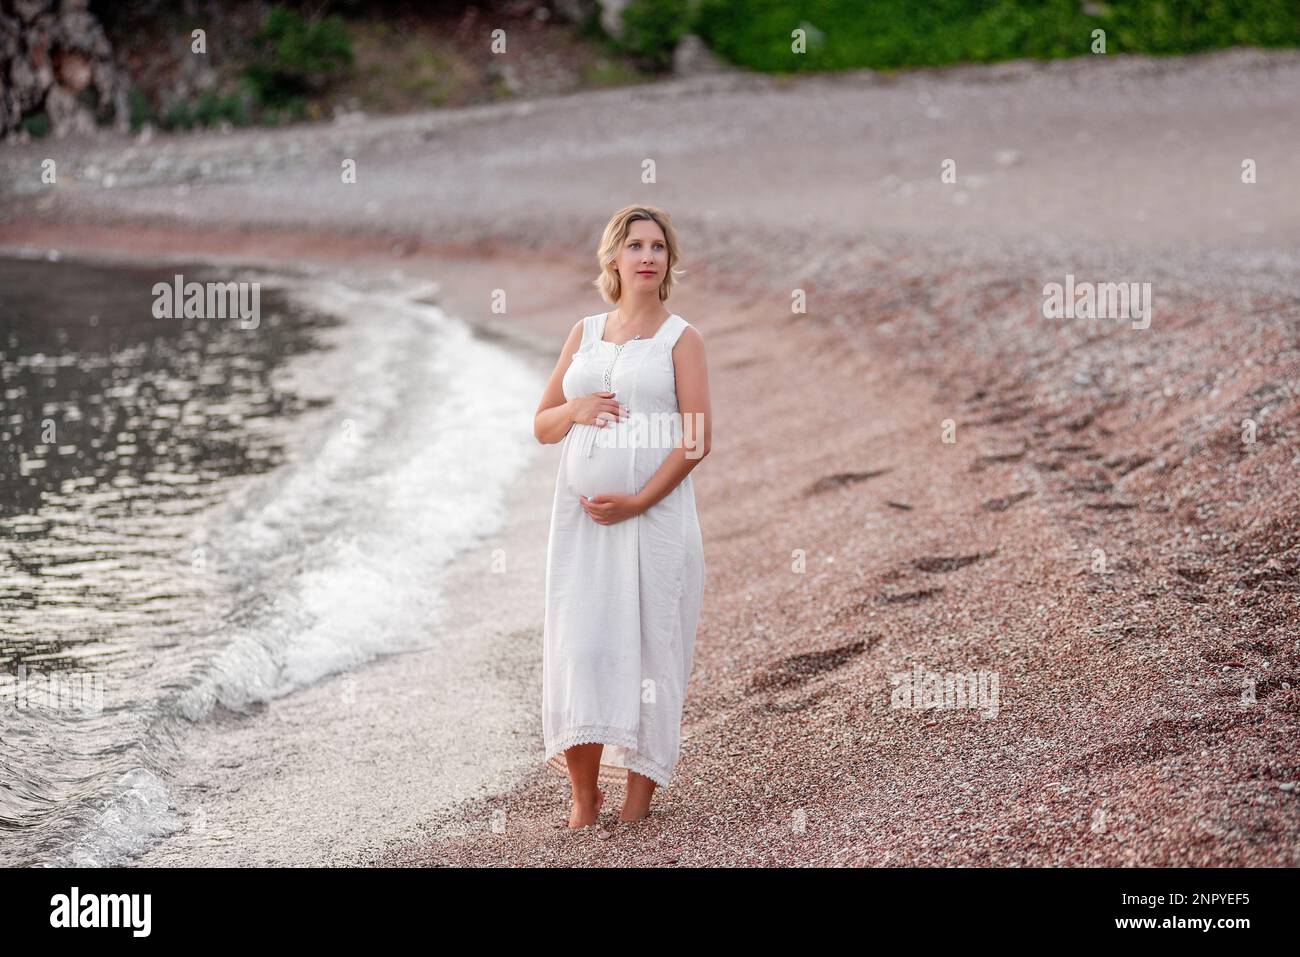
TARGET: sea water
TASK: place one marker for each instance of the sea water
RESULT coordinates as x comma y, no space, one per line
195,515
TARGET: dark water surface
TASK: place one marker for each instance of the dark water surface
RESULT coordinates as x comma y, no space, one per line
117,431
196,515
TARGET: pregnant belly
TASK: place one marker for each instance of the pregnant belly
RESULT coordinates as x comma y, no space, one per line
607,470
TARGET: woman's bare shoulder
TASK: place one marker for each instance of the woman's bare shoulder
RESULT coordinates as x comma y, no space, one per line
690,336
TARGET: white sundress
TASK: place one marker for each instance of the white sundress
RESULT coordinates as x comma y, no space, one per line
622,600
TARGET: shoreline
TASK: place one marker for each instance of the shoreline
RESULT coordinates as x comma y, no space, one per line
344,736
847,542
979,563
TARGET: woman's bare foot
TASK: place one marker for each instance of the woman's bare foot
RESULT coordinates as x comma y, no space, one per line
640,789
582,816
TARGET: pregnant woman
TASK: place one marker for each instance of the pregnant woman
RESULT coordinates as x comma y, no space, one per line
629,398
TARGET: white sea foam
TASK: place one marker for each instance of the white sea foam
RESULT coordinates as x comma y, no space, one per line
337,556
137,814
343,551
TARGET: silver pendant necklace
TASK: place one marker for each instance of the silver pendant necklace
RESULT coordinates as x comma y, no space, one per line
609,370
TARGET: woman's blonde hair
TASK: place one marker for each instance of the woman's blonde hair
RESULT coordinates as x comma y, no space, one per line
616,230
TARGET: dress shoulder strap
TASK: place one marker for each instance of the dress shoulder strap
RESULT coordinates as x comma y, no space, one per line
589,325
672,330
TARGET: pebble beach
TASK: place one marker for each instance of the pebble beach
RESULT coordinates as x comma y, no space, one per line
915,473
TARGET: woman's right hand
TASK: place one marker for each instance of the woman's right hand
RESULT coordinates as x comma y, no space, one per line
599,409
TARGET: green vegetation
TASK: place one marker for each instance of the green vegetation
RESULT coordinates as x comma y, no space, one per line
296,58
427,76
884,34
609,73
208,109
37,125
653,28
138,104
291,68
293,60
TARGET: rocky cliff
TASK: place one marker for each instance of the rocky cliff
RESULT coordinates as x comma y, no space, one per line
57,70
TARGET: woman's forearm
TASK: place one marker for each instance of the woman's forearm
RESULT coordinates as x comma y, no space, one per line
674,468
553,424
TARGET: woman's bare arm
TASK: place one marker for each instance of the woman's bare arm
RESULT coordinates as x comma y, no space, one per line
554,415
691,368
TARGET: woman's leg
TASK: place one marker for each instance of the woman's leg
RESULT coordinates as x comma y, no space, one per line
584,767
639,791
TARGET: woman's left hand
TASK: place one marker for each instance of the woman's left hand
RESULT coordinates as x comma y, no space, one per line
610,509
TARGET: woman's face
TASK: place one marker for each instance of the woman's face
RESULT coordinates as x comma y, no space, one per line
643,260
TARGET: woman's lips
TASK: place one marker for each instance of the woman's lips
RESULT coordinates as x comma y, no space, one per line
645,272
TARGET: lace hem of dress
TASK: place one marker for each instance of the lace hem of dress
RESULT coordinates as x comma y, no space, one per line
647,768
591,734
618,737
